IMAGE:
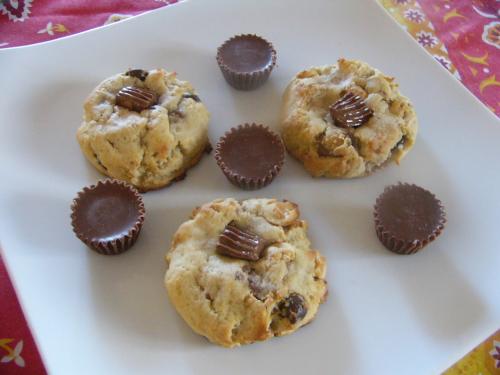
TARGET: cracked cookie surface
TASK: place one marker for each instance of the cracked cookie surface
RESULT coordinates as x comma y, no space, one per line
150,148
234,301
310,133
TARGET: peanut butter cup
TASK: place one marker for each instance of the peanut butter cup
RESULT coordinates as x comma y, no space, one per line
108,216
246,61
250,156
350,111
135,98
407,218
239,243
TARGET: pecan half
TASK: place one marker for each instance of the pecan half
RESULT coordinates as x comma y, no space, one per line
135,98
239,243
350,111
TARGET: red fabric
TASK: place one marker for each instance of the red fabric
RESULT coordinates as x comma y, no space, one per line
23,21
470,30
18,353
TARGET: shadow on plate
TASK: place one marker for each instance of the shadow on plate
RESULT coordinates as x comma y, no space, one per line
443,301
128,291
353,234
52,137
43,221
327,341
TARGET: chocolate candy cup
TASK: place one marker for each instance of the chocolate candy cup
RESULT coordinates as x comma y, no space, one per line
108,216
407,218
246,61
250,156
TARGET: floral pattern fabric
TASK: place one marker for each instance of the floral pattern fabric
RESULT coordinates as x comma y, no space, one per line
462,35
483,360
18,352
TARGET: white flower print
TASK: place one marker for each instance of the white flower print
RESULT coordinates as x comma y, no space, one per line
50,29
15,355
491,34
426,39
414,15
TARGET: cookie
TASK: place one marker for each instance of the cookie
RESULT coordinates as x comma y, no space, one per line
240,272
144,127
346,120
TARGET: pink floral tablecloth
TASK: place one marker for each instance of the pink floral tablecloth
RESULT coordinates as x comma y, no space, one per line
462,35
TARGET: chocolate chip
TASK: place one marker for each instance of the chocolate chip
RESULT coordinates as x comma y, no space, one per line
293,308
239,243
195,97
137,73
135,98
350,111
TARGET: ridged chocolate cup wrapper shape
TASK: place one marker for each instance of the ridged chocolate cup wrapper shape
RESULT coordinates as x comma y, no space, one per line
250,156
246,61
407,218
108,216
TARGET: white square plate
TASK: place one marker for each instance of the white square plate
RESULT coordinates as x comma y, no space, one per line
386,314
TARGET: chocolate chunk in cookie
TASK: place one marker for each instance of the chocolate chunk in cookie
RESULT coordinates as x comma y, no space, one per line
137,73
239,243
195,97
350,111
293,308
135,98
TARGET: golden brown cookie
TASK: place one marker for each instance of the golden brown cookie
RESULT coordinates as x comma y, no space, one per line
231,299
346,120
144,127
